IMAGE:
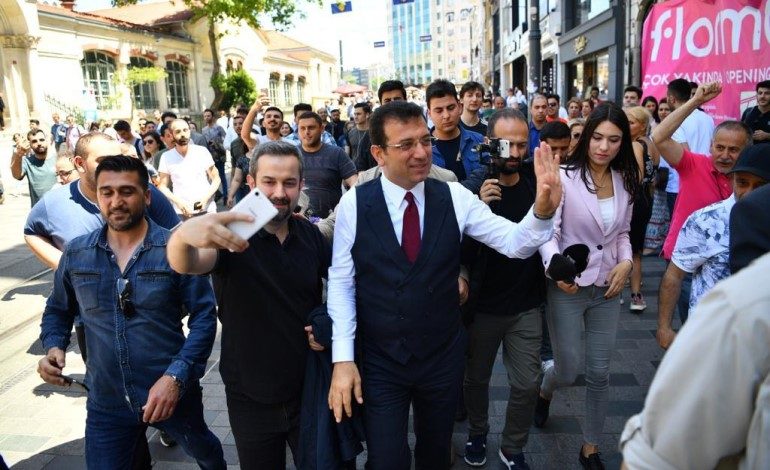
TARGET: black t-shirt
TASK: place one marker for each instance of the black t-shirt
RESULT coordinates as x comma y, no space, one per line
265,295
480,127
757,120
324,172
511,286
450,149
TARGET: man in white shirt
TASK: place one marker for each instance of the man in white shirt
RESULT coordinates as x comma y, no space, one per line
697,129
398,298
190,168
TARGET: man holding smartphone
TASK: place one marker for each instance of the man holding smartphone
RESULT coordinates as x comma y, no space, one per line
191,170
265,286
142,370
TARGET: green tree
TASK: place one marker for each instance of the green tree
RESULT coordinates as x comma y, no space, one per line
237,87
280,12
135,76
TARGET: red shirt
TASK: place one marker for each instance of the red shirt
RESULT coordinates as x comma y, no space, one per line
700,184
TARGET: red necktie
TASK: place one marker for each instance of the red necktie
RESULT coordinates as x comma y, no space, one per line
410,232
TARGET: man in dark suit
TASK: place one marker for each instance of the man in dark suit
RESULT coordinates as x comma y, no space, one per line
750,228
393,287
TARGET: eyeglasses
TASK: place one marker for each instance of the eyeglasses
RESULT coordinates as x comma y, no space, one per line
408,145
576,135
553,105
63,173
148,141
124,297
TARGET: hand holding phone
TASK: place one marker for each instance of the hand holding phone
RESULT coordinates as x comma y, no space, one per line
259,207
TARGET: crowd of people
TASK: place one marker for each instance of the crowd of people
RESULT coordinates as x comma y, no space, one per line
411,243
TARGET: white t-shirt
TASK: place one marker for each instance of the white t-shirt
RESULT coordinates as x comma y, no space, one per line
189,173
697,131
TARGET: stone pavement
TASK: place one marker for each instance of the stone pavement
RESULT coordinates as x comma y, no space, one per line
42,426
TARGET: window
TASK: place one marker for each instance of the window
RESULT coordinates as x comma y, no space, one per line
273,88
515,18
301,90
287,86
98,69
145,94
584,10
176,85
229,67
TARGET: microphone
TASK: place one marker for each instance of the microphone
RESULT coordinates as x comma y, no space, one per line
569,265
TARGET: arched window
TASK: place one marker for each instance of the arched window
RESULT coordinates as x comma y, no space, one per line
145,94
176,85
229,67
301,89
273,88
287,90
98,69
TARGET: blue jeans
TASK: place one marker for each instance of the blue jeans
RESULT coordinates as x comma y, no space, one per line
567,313
111,435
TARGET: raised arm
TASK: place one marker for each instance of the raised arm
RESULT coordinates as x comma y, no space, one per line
248,123
21,149
669,149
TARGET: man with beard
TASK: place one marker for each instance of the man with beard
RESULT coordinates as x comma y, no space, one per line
143,369
272,120
192,172
215,143
327,167
471,95
35,165
356,135
265,288
326,138
504,302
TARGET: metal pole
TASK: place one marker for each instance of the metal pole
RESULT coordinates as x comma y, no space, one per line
534,44
341,67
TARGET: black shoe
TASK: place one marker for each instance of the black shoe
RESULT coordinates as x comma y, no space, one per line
476,451
515,461
592,462
541,411
167,440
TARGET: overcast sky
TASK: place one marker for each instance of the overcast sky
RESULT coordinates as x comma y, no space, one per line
358,29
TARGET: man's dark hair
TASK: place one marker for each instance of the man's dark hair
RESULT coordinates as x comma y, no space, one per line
595,88
390,85
122,125
120,164
679,89
162,129
273,108
554,96
300,107
311,115
439,89
504,114
693,85
167,114
554,130
208,110
149,122
401,111
486,99
365,106
274,148
242,110
470,87
35,132
635,89
34,121
739,126
764,84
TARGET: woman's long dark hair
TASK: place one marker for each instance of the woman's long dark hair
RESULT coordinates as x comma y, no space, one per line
648,99
624,162
155,136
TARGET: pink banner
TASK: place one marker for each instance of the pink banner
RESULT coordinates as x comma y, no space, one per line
708,40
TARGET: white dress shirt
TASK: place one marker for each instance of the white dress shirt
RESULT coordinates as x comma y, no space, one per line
474,218
709,404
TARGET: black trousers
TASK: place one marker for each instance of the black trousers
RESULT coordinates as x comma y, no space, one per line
429,385
261,431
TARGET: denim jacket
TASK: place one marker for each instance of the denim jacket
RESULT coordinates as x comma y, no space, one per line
126,356
471,159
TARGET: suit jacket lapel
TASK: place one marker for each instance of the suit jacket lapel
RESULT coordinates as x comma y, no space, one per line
590,199
620,198
378,218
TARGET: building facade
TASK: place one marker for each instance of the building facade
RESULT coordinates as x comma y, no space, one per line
409,26
58,59
451,39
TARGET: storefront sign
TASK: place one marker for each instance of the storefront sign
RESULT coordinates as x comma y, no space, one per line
705,41
580,44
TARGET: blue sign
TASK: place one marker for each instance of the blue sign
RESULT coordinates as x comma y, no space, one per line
379,43
341,7
399,2
426,38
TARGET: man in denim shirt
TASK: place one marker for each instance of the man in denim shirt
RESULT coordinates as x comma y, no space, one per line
141,370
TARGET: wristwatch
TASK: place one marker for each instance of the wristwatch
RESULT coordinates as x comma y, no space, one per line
179,383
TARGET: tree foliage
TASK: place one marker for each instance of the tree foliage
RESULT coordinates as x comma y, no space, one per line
142,75
237,87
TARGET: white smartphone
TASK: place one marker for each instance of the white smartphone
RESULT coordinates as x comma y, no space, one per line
256,205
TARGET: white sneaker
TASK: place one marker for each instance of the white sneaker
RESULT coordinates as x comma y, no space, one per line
545,365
